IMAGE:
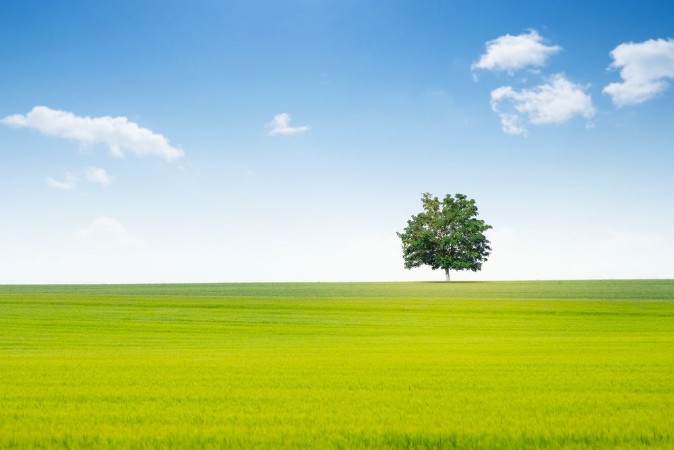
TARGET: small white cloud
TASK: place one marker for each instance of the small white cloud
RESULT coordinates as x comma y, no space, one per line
105,231
118,133
91,174
69,183
554,102
97,175
511,53
280,124
646,69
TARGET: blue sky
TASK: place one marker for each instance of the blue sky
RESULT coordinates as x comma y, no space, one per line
290,140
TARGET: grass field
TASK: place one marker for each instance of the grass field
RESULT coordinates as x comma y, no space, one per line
362,365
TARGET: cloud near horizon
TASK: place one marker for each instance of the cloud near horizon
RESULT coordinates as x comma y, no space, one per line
280,124
646,68
511,53
554,102
120,135
106,231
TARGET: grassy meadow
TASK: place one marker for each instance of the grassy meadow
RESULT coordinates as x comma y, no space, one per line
495,365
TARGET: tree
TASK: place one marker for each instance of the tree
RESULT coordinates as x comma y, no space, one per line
446,235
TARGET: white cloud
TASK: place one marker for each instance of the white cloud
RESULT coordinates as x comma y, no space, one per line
105,231
69,183
280,124
97,175
118,133
91,174
554,102
510,53
645,67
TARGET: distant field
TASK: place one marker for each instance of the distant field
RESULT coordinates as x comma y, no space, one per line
579,365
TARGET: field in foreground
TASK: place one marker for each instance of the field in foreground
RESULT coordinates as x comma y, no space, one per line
362,365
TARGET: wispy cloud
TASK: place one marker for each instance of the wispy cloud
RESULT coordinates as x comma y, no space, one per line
94,175
511,53
70,182
554,102
106,231
646,69
280,124
97,175
120,135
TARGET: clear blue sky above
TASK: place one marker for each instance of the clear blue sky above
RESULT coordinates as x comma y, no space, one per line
185,141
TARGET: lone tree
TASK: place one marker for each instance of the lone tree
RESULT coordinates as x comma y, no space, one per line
446,235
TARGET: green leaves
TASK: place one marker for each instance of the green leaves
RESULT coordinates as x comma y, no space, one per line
446,235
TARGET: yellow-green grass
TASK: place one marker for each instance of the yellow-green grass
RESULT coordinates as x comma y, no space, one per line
353,365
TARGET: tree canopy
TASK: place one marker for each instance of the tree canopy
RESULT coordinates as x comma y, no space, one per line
446,235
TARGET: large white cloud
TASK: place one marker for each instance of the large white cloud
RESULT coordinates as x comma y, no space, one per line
280,124
554,102
510,53
119,134
646,69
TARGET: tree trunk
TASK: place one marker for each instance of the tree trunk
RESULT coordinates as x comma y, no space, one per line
446,274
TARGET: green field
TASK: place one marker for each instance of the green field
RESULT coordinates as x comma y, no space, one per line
353,365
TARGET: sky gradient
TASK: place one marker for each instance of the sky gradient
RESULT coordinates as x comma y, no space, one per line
218,141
